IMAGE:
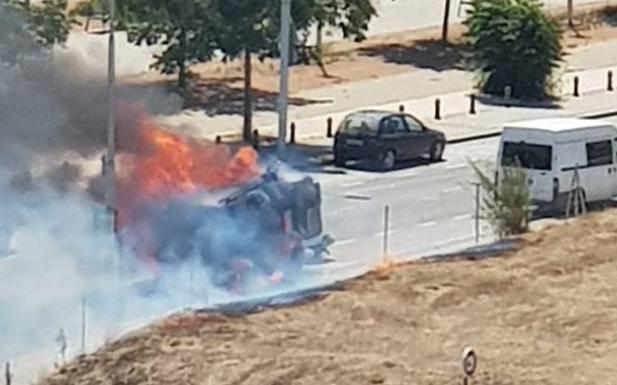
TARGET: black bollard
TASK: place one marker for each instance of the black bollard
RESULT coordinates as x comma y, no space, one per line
218,139
576,84
256,140
292,133
329,128
609,87
472,103
437,109
401,108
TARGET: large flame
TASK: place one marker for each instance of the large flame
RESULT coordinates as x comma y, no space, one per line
157,166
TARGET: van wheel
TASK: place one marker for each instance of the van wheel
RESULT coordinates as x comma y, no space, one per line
387,160
436,153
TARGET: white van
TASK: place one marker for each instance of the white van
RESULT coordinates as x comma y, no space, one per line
549,150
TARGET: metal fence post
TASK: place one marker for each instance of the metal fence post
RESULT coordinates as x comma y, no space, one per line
609,86
437,109
83,324
576,85
386,230
477,213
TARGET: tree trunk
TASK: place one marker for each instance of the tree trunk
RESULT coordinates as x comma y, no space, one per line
247,128
182,63
319,43
446,21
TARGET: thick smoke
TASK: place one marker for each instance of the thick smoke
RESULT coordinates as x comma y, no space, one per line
57,256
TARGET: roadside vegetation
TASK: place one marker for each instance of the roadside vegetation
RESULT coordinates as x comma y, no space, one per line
506,202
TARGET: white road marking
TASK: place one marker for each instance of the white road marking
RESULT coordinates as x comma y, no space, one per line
427,224
463,217
353,184
345,241
452,190
456,166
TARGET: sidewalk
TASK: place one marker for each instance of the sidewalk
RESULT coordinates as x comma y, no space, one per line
417,91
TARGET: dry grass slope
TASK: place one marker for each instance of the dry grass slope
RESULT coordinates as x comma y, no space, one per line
545,314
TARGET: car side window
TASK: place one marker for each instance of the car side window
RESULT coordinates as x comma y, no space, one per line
413,124
394,125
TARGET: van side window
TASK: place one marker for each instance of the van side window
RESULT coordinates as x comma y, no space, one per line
527,155
599,153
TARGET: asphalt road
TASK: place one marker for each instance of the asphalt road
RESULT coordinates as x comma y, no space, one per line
432,206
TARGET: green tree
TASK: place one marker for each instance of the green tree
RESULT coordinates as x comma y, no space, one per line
26,30
251,27
185,28
507,200
513,43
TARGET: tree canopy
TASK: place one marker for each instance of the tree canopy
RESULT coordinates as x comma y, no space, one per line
513,43
193,31
27,27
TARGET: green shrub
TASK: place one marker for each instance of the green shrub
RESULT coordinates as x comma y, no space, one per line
513,43
506,202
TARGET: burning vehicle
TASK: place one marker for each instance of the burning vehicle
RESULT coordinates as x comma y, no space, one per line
269,228
259,225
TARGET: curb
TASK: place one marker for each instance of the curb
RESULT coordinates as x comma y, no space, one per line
492,134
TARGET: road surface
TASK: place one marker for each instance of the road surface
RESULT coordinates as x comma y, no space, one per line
432,206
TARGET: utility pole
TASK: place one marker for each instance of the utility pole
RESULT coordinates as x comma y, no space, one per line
110,158
284,76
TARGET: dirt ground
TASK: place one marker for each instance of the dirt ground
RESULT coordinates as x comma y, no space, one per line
544,314
377,57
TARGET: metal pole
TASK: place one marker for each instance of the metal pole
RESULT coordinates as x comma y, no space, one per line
83,324
7,373
571,13
477,214
284,77
386,230
111,124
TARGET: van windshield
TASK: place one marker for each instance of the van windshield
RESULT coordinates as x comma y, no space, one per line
525,155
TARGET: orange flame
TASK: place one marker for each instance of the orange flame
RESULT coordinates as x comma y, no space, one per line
156,165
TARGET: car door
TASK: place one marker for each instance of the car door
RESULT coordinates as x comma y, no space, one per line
421,140
395,135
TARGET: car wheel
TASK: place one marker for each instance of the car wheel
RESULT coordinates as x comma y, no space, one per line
387,160
437,152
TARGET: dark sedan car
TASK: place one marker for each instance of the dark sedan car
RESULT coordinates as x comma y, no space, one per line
383,138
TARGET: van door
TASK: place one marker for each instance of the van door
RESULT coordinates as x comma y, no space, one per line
537,162
597,178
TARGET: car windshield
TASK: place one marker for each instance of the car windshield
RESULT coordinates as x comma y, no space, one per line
525,155
360,124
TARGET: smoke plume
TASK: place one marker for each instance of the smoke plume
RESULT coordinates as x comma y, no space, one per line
58,261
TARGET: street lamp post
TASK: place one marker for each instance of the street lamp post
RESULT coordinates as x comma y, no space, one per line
284,76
